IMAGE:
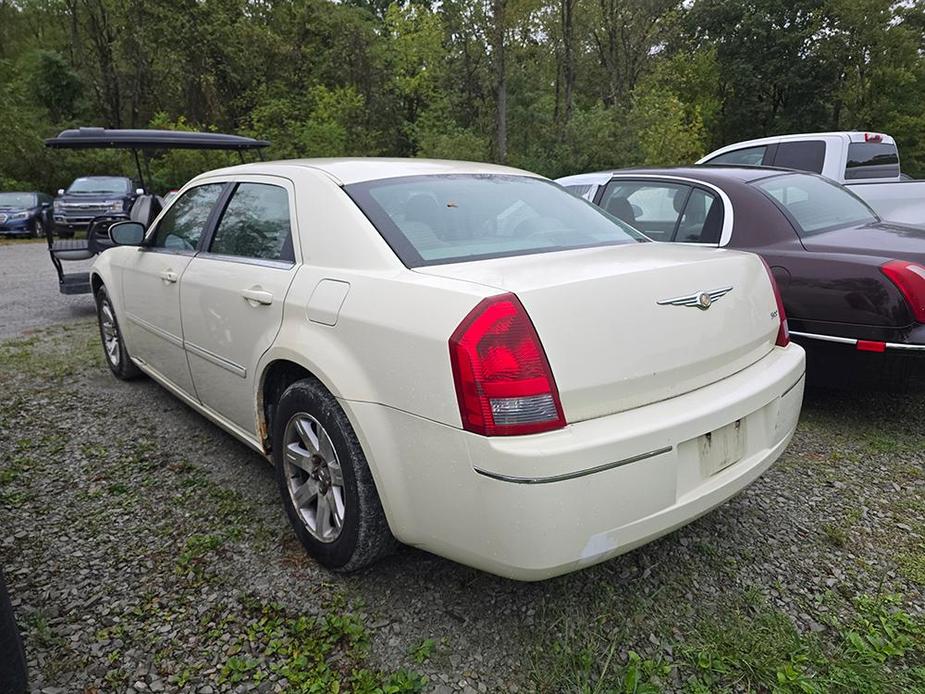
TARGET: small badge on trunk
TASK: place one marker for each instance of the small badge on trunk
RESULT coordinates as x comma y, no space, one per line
702,300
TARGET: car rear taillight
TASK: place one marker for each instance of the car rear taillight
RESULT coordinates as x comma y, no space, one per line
909,278
503,381
783,332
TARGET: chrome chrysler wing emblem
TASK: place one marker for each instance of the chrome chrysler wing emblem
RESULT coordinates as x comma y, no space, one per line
702,300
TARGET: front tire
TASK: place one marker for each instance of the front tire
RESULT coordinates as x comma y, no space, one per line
325,482
114,350
38,229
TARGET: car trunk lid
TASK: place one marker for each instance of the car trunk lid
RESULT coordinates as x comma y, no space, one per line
620,325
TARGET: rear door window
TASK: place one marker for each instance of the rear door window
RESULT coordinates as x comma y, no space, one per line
652,207
802,156
255,224
748,156
872,160
702,221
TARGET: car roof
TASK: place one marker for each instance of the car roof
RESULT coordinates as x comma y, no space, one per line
708,174
359,169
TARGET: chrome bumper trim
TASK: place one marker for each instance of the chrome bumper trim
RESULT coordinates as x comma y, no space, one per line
573,475
854,341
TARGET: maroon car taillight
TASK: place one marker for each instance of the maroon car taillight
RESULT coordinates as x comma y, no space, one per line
909,278
783,332
503,381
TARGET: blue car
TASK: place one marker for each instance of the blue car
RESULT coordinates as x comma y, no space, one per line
25,214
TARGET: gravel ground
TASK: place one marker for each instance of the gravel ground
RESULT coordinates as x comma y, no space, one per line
29,295
147,551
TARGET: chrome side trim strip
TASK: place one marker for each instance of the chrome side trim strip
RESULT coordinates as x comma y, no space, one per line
573,475
236,369
854,341
242,260
903,345
153,329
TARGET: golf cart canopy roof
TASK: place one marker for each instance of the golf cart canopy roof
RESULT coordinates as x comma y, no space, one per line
101,138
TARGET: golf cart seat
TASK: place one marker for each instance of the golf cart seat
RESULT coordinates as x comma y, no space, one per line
146,207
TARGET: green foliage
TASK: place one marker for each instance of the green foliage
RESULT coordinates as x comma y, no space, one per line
605,84
323,654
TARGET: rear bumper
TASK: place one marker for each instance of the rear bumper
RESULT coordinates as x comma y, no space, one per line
532,507
846,364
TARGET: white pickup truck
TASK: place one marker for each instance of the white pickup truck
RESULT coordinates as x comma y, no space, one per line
868,163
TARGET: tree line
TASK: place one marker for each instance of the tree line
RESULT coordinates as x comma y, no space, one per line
554,86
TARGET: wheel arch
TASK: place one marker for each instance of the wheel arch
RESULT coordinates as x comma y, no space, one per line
96,281
278,373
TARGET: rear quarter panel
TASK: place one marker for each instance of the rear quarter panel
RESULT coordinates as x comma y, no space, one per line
825,292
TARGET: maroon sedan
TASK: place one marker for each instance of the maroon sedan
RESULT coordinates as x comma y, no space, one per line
853,285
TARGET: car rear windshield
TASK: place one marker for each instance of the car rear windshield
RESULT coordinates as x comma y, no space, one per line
872,160
17,199
429,220
815,204
100,184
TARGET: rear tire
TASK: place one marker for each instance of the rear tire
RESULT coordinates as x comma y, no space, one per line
12,658
325,482
114,349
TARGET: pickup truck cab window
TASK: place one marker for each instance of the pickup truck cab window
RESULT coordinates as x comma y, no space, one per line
749,156
182,225
804,155
872,160
255,224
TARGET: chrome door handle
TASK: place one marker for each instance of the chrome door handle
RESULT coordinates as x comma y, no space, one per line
257,296
169,276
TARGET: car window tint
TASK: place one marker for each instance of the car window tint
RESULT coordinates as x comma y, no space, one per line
816,204
749,156
255,224
182,225
702,221
651,207
459,217
803,156
872,160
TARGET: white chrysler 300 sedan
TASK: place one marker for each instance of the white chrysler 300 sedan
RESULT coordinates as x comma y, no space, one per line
462,357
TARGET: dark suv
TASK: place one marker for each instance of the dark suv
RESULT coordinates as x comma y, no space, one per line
89,197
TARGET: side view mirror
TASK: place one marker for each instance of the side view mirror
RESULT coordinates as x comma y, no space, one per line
46,205
60,191
127,233
139,191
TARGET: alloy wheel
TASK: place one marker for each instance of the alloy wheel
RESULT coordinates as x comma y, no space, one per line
314,478
110,333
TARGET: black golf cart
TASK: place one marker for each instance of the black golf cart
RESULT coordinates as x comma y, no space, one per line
146,206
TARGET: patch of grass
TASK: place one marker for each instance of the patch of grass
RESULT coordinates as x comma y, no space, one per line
742,644
323,654
423,651
912,564
835,535
198,546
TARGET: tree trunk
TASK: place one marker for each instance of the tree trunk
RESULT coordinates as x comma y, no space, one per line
499,8
567,10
